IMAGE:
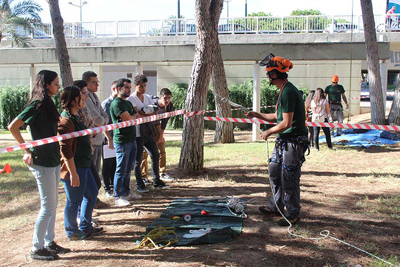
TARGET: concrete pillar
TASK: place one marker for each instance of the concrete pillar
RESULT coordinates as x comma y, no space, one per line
256,98
32,78
139,68
384,79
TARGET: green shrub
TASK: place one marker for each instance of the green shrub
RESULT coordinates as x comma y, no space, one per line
238,93
13,100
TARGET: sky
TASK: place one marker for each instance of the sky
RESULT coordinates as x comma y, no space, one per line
118,10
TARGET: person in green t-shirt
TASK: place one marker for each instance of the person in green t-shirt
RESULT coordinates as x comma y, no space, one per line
76,176
334,93
288,155
124,142
43,161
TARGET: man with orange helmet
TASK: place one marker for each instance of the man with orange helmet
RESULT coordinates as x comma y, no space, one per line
292,142
335,93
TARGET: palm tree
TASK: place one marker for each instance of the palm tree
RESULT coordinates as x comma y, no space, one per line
17,19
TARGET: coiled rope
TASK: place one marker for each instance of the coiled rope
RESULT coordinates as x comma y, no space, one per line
154,239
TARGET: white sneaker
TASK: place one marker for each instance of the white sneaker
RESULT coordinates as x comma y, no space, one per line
109,194
132,196
120,202
166,177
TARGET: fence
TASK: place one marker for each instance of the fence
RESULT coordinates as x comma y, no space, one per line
239,25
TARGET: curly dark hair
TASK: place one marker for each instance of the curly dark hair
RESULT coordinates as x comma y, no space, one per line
141,78
40,92
68,95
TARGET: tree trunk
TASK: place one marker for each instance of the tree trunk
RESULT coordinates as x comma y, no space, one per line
207,17
224,130
394,115
61,45
374,76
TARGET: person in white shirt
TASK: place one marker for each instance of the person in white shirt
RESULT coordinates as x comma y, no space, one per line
320,113
144,106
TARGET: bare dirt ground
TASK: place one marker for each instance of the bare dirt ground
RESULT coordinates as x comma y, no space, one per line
330,192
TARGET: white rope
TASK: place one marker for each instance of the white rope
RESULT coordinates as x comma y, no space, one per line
324,233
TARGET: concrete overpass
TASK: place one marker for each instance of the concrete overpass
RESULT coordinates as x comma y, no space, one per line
245,47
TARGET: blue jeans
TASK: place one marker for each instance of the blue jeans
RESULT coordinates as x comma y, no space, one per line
47,179
126,155
85,196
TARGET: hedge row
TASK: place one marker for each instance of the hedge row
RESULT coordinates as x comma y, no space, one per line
13,99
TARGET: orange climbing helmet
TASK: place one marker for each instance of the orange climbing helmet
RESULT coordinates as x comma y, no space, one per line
335,78
280,64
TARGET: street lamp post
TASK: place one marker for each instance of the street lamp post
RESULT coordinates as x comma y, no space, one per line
227,7
80,7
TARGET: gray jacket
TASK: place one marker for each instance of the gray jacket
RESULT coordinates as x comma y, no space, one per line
97,115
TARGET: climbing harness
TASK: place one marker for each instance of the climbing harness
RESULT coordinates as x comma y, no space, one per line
154,239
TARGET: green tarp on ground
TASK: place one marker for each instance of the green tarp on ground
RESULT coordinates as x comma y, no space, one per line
225,225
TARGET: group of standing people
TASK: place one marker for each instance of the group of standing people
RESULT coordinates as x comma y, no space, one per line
325,106
77,161
78,166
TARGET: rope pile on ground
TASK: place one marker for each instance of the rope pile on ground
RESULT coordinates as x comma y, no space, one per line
154,239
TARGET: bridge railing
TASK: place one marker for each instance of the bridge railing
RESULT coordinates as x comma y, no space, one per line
237,25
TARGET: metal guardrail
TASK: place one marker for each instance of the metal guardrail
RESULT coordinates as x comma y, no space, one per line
239,25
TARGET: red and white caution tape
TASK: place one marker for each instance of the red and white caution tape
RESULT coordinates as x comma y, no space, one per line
239,120
124,124
318,124
189,114
95,130
355,126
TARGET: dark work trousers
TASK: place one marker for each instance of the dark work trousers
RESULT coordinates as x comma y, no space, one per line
336,112
108,172
327,133
284,175
151,146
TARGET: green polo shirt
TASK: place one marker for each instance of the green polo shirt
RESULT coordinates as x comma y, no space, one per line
334,92
127,134
41,126
292,101
83,154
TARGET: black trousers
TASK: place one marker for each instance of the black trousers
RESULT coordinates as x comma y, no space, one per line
327,136
108,171
151,146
